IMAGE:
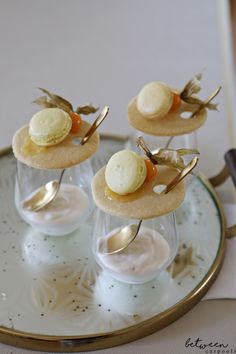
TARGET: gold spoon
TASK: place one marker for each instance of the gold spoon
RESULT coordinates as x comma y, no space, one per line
120,240
208,100
47,193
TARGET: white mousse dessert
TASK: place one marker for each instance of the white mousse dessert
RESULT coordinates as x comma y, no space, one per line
63,215
140,261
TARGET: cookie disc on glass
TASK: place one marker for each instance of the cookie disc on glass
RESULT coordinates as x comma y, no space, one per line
172,124
66,154
145,203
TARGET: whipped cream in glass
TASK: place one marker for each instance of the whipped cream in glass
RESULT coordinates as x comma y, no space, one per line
63,215
72,205
151,252
146,254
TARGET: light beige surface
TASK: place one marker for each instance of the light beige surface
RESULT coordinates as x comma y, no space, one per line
103,52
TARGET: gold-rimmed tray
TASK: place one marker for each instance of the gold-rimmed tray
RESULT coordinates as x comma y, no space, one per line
53,297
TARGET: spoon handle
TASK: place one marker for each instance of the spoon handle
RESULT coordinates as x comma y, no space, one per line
61,175
138,227
95,125
181,175
208,100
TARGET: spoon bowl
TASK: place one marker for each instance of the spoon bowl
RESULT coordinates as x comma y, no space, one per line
126,235
42,197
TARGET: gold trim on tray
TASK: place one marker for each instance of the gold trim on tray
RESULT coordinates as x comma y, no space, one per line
51,343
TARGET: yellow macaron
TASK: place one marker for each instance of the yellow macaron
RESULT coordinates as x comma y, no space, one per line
49,126
125,172
155,100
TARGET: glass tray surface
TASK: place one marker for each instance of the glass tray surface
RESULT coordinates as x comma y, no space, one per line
54,297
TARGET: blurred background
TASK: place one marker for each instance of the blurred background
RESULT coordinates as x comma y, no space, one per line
104,51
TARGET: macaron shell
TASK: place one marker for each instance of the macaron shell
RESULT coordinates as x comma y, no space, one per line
170,125
154,100
51,140
125,172
63,155
144,203
49,126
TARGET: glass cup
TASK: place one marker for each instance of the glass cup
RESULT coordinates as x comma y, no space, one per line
72,205
150,253
187,141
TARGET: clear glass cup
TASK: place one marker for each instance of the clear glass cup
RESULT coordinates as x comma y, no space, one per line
72,205
150,253
187,141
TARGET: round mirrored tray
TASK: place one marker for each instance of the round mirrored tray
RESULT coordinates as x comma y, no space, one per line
53,297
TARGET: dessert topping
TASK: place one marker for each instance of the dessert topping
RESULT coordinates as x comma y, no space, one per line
50,100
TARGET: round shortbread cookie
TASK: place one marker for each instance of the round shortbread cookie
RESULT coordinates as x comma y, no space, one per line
142,204
170,125
63,155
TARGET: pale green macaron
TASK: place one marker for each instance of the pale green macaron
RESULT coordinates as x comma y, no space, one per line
49,126
155,100
125,172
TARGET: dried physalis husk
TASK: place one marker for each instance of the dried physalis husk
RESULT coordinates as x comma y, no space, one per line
192,88
54,101
58,101
182,262
173,158
167,156
44,102
86,109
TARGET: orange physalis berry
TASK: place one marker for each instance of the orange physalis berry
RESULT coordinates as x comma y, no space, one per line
176,102
76,122
151,170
